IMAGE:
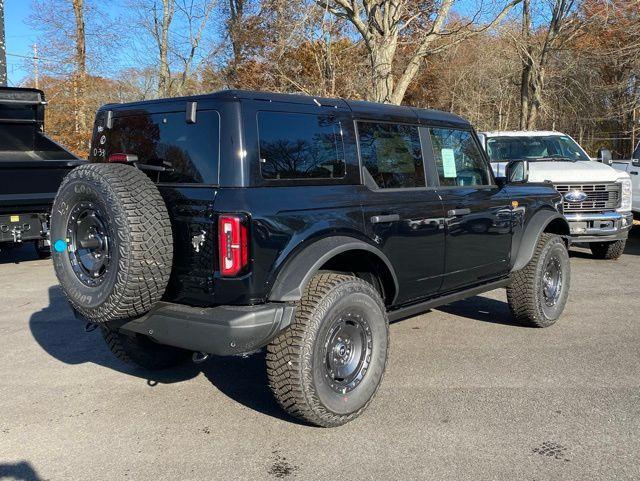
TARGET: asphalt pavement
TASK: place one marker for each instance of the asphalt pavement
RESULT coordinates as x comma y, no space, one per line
468,395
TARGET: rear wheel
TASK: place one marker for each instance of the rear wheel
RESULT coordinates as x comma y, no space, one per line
140,350
327,366
608,250
538,293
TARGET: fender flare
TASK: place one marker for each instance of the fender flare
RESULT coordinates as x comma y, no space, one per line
532,230
303,265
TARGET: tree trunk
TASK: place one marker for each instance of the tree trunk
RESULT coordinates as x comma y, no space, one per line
164,79
382,55
80,75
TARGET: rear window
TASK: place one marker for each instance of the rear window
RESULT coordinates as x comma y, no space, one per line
300,146
177,151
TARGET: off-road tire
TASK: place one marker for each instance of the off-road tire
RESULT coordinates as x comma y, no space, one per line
525,291
140,239
140,350
608,250
293,367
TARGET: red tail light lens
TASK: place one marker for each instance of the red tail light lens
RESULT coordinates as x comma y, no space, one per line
233,248
122,158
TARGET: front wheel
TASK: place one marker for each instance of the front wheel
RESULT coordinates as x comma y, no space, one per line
608,250
327,366
538,292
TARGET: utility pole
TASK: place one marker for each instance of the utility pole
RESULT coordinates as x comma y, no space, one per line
36,76
3,49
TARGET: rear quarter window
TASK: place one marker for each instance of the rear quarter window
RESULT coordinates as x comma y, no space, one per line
173,150
300,146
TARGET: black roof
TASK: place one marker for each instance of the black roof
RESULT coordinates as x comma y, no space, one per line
358,107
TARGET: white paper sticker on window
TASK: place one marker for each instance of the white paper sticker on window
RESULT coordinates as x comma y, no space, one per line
449,163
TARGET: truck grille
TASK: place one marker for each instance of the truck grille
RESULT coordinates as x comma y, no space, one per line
599,197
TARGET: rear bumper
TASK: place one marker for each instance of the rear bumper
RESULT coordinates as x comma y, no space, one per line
599,227
222,330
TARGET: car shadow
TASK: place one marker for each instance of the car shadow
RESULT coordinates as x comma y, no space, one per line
20,471
62,336
480,308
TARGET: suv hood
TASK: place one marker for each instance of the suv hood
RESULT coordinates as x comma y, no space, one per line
568,172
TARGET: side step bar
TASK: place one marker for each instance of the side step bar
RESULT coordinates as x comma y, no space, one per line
416,309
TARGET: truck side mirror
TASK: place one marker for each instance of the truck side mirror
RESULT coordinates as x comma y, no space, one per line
517,172
604,156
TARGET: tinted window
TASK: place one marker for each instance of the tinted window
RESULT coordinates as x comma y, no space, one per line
300,146
187,152
458,158
534,147
391,154
636,154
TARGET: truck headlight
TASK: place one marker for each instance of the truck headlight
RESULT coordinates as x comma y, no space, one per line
625,197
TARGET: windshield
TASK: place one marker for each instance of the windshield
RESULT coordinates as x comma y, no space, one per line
561,147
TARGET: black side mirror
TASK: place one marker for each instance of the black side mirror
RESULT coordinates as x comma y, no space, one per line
604,155
517,172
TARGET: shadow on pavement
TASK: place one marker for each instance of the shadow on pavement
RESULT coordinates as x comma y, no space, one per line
20,471
483,309
63,337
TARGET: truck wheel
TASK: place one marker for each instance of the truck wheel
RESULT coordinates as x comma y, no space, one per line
608,250
112,241
140,350
326,367
42,249
538,292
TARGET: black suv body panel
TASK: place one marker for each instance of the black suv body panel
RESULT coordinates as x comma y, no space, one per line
418,244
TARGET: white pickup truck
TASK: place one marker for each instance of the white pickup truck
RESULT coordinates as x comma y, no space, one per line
597,197
632,167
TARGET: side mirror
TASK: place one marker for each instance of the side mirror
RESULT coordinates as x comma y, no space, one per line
517,172
604,156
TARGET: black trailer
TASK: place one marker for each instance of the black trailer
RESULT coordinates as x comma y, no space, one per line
31,169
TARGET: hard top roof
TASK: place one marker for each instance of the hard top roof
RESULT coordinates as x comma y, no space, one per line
358,107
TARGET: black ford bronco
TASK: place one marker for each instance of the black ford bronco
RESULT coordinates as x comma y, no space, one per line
230,222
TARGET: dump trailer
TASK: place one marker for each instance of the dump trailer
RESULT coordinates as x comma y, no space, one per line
32,167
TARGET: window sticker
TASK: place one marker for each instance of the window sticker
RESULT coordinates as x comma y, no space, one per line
449,163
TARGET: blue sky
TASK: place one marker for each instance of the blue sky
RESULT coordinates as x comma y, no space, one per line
20,37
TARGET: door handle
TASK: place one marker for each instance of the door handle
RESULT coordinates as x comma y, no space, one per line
457,212
633,173
378,219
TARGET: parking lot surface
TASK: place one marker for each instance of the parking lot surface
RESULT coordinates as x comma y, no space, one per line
468,395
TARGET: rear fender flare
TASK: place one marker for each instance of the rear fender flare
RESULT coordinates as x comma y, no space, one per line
298,271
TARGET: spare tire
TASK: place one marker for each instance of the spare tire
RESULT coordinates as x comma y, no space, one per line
112,241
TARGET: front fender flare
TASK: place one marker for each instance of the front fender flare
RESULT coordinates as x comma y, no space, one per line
298,271
532,230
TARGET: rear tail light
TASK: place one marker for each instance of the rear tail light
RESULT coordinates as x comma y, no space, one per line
122,158
233,247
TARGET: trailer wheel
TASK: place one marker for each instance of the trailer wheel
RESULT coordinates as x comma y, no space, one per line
112,241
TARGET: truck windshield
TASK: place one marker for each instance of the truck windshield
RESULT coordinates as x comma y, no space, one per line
549,147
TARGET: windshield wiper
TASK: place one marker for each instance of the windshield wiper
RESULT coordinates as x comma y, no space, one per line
554,158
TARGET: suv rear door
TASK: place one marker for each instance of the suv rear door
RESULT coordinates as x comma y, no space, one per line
477,212
402,213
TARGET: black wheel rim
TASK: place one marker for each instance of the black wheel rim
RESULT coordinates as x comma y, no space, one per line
552,281
347,352
89,243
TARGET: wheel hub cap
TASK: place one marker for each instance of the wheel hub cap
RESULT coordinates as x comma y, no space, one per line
552,281
347,352
89,244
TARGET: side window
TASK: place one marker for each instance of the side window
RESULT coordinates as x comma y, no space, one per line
458,158
300,146
391,154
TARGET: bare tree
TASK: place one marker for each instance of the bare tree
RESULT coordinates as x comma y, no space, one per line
80,74
535,50
421,25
